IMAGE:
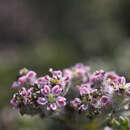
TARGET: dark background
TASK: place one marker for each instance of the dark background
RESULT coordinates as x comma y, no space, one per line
39,34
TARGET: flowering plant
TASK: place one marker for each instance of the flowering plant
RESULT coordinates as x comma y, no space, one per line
73,94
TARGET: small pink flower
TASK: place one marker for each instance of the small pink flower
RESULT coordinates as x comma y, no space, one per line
83,107
26,101
67,73
84,90
45,90
15,85
127,86
13,101
98,76
22,79
52,107
23,91
109,90
113,76
105,101
31,77
43,80
56,90
94,102
31,74
61,101
121,80
56,73
29,92
41,101
62,84
76,102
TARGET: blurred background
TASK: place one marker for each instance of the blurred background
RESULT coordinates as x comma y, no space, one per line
39,34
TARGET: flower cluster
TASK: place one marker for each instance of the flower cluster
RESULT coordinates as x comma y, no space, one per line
96,91
44,92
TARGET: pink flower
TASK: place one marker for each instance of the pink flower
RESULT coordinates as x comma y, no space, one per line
98,76
15,85
52,107
31,74
105,101
127,86
31,77
84,90
56,73
45,90
67,73
29,92
41,101
76,102
122,80
83,107
26,101
61,101
94,102
43,80
23,91
22,79
56,90
80,70
13,101
108,90
113,76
